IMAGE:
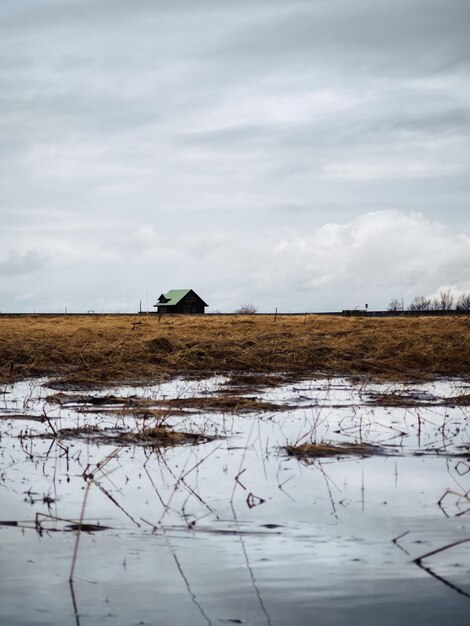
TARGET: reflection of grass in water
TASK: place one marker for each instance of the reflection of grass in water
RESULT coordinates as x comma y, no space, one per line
96,350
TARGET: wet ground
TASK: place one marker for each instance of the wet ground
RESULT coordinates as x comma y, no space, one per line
226,527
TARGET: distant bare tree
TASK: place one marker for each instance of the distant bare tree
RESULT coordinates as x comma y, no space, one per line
444,301
395,305
247,309
420,303
463,303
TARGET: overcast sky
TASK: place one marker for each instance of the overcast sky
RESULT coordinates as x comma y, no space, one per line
300,154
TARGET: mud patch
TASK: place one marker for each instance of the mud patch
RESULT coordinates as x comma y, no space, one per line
404,399
64,399
243,404
321,450
462,400
253,383
156,437
26,418
230,404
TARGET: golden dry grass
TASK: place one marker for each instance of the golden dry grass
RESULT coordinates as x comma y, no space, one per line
105,349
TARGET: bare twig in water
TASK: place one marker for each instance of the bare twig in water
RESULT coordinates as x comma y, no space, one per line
459,497
397,539
181,479
250,570
253,500
74,604
77,540
327,483
190,592
438,550
90,476
419,563
240,470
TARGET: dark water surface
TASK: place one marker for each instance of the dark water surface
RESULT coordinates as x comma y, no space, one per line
234,530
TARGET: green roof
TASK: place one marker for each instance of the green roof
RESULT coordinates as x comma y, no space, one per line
173,297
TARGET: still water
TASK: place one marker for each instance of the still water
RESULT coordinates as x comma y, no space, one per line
233,530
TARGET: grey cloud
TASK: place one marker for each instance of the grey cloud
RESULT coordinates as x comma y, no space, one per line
447,121
379,126
17,263
232,135
405,37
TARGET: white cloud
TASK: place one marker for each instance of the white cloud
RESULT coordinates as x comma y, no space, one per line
378,256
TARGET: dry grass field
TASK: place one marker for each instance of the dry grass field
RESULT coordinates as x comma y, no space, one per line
98,350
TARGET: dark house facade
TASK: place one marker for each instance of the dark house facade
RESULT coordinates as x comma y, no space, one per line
180,301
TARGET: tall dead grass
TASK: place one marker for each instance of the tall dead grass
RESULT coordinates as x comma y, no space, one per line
105,349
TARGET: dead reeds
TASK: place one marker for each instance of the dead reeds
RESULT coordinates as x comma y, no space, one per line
99,350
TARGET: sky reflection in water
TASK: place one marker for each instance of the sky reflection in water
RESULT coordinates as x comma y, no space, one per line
234,530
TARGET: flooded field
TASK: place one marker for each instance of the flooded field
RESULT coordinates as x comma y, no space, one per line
250,499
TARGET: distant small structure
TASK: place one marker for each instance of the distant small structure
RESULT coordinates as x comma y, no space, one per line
180,301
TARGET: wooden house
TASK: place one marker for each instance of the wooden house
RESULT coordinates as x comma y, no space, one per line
177,301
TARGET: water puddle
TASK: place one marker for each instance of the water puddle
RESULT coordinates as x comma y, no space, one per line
243,500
